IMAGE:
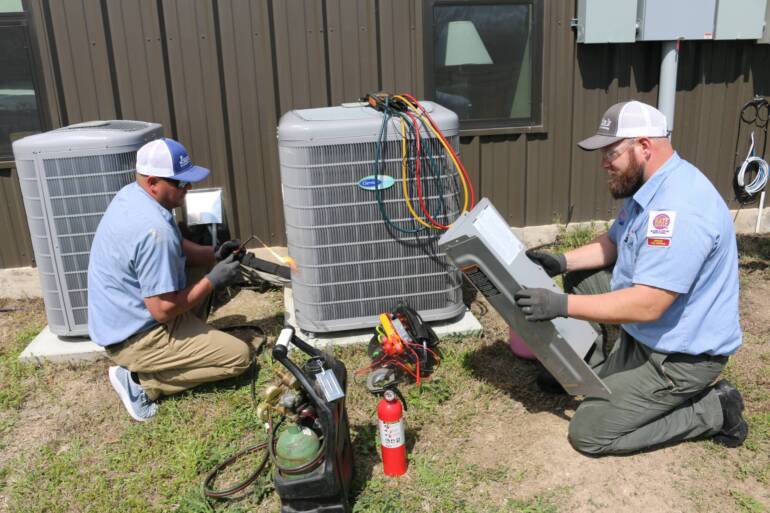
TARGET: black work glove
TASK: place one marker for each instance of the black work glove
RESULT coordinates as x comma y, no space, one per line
552,263
226,249
225,272
541,304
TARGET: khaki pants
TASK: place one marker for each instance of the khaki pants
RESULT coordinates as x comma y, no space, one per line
657,398
173,357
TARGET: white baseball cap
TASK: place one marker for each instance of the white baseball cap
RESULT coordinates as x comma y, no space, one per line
624,120
166,158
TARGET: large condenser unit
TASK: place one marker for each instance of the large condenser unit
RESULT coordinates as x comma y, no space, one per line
68,177
352,265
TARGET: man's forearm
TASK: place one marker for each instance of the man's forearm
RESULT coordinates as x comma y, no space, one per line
198,255
165,307
600,252
635,304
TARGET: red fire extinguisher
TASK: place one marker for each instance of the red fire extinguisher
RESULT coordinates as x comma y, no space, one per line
392,433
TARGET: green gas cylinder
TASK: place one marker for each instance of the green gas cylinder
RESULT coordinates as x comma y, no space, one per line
296,447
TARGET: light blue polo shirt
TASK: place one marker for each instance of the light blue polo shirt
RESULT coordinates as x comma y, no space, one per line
136,253
676,234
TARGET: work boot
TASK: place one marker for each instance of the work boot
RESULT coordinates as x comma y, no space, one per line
547,383
734,427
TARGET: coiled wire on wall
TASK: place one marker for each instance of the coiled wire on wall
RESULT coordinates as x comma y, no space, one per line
753,114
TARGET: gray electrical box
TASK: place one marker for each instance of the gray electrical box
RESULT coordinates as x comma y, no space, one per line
669,20
483,246
606,21
765,39
740,19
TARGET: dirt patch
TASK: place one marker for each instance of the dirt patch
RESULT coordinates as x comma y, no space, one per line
525,432
15,315
71,400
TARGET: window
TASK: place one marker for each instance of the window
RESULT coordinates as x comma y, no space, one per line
483,60
19,113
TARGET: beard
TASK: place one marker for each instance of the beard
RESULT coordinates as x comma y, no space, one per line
626,183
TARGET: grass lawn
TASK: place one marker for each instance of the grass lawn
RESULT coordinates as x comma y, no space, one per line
481,436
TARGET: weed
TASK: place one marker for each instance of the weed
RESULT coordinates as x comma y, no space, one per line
546,502
4,471
536,505
573,237
747,503
17,378
759,432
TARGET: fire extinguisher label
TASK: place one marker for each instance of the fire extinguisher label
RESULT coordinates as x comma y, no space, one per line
392,434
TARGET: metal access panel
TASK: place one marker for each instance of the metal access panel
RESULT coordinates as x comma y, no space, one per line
668,20
740,19
483,246
606,21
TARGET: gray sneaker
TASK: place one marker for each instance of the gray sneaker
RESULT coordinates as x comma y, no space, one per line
133,396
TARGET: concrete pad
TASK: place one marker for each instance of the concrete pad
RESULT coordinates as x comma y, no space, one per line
50,347
745,220
466,326
20,283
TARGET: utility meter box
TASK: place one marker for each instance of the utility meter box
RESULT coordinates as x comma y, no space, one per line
765,39
606,21
669,20
740,19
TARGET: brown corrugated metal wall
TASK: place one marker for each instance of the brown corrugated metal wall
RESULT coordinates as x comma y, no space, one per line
219,73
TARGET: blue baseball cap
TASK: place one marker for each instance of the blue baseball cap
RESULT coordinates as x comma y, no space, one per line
166,158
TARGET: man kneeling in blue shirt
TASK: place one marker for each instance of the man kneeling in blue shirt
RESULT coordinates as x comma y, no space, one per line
673,290
151,322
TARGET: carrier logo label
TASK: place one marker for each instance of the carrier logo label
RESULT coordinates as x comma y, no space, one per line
374,182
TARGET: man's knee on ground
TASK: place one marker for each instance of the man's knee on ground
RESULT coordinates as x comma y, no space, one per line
244,359
582,435
240,356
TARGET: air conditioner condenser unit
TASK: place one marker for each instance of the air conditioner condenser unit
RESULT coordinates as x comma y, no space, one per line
68,177
351,264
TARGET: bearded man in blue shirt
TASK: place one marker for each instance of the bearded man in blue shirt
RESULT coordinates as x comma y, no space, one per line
143,306
667,273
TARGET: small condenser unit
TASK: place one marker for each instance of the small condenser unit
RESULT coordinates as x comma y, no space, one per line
351,264
68,177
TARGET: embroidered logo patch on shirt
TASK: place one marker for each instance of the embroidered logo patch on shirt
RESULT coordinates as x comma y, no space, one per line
660,228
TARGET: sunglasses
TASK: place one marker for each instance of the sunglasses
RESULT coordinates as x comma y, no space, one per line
179,184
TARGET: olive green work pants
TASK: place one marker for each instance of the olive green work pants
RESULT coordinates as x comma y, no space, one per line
183,353
657,398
